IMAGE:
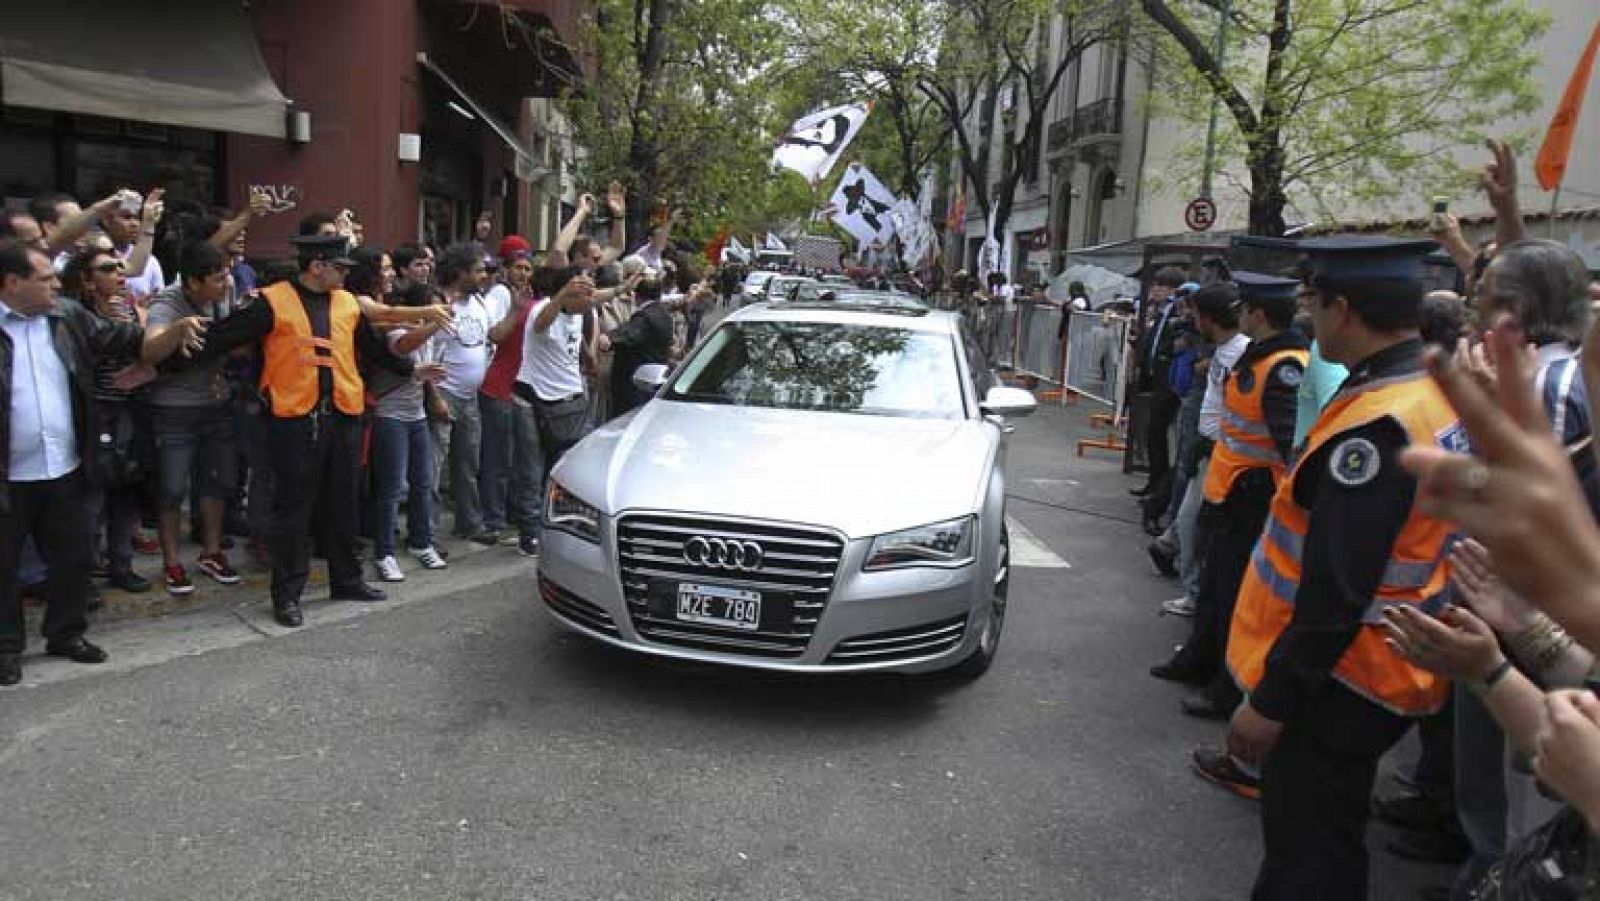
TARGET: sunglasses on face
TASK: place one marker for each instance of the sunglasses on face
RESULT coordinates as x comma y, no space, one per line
108,268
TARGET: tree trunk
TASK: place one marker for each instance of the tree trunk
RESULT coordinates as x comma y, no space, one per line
1267,197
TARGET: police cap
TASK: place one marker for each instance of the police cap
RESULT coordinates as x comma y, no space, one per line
328,248
1359,257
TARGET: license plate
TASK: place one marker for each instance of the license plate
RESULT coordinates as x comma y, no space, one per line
714,605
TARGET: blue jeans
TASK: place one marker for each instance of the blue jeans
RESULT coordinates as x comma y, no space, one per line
1184,531
402,457
508,483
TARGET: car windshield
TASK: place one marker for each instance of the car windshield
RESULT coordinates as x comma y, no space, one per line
757,279
838,367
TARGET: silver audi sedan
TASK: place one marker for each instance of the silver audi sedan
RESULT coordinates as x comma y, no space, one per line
819,487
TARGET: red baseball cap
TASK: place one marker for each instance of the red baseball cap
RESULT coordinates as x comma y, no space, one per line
514,244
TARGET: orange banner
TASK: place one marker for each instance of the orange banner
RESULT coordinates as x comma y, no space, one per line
1551,164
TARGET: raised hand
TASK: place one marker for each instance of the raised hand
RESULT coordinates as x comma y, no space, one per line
150,213
617,199
1517,493
1499,179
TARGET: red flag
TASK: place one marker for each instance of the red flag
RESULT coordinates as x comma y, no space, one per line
958,213
1551,164
714,249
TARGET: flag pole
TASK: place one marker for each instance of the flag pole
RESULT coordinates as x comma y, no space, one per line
1555,209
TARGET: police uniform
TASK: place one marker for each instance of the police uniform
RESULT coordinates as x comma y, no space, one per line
312,344
1248,459
1343,538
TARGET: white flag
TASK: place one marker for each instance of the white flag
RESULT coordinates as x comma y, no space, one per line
916,233
861,205
774,242
735,250
989,256
814,143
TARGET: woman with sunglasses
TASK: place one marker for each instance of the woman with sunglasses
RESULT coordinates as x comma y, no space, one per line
97,279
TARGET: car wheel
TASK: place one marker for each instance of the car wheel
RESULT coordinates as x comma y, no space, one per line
977,663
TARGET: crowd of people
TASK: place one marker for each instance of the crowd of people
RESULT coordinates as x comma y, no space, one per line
156,381
1380,502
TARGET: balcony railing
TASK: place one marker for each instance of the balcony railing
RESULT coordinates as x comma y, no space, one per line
1098,119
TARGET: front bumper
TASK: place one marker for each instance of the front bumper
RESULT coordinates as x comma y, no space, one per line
909,621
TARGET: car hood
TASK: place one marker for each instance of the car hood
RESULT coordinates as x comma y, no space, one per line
863,475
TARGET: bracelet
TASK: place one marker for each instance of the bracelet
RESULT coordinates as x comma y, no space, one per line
1495,677
1540,645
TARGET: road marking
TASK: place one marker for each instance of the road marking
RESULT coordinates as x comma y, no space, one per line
1027,551
1045,483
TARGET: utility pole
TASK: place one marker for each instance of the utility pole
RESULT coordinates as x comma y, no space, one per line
1221,54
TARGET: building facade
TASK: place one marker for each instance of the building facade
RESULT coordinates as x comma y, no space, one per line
1111,172
417,115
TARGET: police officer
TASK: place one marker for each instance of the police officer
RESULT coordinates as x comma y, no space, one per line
1326,697
313,338
1249,459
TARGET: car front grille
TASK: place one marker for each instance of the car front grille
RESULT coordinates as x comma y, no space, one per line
795,577
901,644
575,609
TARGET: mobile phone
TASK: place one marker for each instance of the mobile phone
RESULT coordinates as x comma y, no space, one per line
1441,206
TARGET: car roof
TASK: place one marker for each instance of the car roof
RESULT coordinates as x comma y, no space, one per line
884,315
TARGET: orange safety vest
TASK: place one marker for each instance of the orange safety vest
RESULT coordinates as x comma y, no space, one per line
294,356
1416,573
1245,442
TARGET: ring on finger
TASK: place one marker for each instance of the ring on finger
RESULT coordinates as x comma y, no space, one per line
1474,478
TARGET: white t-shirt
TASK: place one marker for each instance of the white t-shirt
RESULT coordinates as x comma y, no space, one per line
1223,360
550,359
146,283
498,302
465,354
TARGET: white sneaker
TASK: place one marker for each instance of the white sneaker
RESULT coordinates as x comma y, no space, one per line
429,558
389,569
1178,606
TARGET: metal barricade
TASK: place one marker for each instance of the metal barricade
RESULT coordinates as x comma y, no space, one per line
1097,357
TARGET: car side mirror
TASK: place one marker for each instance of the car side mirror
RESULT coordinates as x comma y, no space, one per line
1003,400
650,377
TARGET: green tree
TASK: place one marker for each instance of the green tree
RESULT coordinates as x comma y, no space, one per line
842,52
676,107
1339,100
1001,49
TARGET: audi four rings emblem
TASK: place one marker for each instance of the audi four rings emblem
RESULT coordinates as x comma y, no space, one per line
722,553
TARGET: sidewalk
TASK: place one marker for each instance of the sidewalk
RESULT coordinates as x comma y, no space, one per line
141,630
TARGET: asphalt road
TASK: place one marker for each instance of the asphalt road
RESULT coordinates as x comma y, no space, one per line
464,747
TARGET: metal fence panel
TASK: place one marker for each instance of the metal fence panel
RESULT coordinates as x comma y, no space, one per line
1097,357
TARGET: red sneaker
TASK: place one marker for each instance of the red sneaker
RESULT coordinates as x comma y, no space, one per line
178,581
216,566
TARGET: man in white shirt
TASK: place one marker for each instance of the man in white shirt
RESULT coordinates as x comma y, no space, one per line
131,226
464,352
48,435
551,377
660,235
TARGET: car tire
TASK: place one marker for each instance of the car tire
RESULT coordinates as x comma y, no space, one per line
978,662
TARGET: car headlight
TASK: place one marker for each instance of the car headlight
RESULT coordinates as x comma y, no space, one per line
939,544
566,511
